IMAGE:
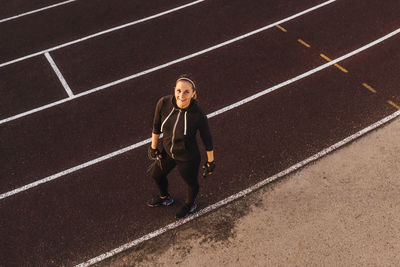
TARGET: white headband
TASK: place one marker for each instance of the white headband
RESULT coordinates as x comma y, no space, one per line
189,80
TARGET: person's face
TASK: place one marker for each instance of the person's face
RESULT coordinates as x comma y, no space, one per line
183,93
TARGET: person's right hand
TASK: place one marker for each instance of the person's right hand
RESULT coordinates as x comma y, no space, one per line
154,153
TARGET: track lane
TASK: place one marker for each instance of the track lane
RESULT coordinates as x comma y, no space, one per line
351,23
103,202
62,137
381,75
147,71
27,85
41,31
123,53
69,145
16,7
127,56
349,15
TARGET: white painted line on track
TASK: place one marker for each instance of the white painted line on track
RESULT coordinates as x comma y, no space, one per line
215,113
161,66
301,76
35,11
74,169
240,194
207,49
100,33
59,75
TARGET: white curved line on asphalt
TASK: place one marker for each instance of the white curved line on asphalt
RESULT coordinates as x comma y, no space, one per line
215,113
35,11
23,114
99,33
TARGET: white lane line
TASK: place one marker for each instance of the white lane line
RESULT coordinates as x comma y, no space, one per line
100,33
207,49
59,75
239,194
74,169
35,11
213,114
301,76
161,66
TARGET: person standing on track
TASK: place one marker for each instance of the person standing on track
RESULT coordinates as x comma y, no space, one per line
179,117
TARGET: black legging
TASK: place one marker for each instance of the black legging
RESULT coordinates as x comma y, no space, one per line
187,169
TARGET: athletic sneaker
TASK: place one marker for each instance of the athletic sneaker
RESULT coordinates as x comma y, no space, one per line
158,201
186,210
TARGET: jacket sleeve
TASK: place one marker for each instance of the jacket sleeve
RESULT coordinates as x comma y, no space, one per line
205,133
157,117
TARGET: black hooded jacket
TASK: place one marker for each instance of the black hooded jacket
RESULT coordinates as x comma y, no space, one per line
179,127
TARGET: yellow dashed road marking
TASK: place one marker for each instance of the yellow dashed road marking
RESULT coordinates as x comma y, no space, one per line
325,57
340,68
281,28
369,87
393,104
336,65
304,43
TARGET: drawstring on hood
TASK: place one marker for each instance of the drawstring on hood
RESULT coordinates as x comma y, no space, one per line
184,131
172,111
162,125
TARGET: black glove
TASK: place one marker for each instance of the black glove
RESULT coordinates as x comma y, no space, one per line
153,154
208,168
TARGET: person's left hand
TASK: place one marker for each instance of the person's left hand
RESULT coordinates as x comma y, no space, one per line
208,168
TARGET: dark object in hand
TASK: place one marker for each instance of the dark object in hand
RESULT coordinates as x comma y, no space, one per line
208,168
153,153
